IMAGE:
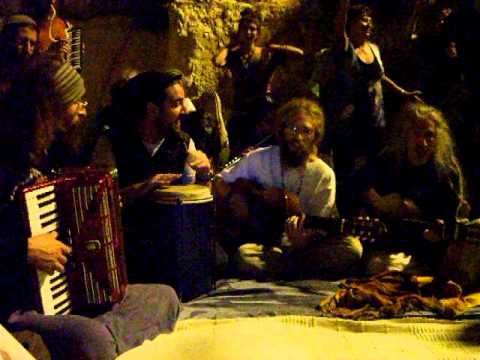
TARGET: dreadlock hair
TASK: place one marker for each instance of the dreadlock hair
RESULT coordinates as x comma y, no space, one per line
444,156
29,115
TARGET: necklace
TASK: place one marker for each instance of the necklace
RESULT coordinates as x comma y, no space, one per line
246,58
299,183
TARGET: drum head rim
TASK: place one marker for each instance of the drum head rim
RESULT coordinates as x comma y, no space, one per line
191,194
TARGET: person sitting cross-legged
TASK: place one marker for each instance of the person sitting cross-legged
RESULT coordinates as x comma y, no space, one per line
294,166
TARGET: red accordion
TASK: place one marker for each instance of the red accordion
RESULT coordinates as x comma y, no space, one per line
83,207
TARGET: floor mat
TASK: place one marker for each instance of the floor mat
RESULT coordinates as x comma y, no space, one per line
309,338
235,298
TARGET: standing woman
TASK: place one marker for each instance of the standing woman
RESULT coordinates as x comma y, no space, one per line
251,68
357,106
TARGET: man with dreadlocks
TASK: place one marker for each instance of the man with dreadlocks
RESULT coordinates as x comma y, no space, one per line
47,99
416,177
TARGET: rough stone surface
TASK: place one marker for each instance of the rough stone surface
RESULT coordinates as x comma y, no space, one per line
199,29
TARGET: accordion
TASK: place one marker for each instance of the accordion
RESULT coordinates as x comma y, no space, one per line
75,40
83,207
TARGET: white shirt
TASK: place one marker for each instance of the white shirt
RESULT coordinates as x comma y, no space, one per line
315,187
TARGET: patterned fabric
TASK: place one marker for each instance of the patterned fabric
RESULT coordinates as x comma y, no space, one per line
392,294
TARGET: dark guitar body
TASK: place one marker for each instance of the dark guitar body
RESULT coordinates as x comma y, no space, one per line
249,213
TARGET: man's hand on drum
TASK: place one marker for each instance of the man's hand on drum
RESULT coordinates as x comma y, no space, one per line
160,180
47,253
199,162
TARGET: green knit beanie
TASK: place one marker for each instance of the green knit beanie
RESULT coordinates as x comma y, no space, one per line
69,84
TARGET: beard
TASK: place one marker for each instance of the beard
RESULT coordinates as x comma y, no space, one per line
295,153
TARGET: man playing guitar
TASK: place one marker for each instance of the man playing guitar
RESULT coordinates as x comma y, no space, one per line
415,184
292,166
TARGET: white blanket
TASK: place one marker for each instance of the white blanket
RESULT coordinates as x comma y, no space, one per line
308,337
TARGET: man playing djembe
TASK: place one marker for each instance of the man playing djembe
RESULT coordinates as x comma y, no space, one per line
147,147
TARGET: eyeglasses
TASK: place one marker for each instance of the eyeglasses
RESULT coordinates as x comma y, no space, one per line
80,104
296,130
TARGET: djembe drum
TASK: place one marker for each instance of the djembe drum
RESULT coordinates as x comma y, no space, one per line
185,232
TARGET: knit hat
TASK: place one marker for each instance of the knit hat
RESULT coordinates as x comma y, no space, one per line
69,84
20,19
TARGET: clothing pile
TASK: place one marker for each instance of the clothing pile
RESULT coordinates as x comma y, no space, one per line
392,294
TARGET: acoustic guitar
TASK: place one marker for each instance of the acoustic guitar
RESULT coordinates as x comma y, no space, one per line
247,212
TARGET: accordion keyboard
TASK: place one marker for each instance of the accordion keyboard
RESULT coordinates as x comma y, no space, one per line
76,52
43,218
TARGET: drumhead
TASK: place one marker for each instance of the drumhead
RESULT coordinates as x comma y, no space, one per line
185,194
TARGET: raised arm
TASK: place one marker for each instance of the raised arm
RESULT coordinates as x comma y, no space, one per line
341,25
286,49
395,87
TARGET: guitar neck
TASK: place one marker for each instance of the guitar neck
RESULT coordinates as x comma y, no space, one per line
332,225
367,229
238,158
416,227
375,228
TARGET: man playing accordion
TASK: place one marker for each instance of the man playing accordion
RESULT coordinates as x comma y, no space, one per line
47,98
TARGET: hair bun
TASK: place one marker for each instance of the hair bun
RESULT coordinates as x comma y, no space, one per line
247,12
250,15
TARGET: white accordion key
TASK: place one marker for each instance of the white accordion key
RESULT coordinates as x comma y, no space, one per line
41,207
53,303
43,218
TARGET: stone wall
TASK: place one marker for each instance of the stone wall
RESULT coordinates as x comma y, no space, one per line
196,31
200,29
115,45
